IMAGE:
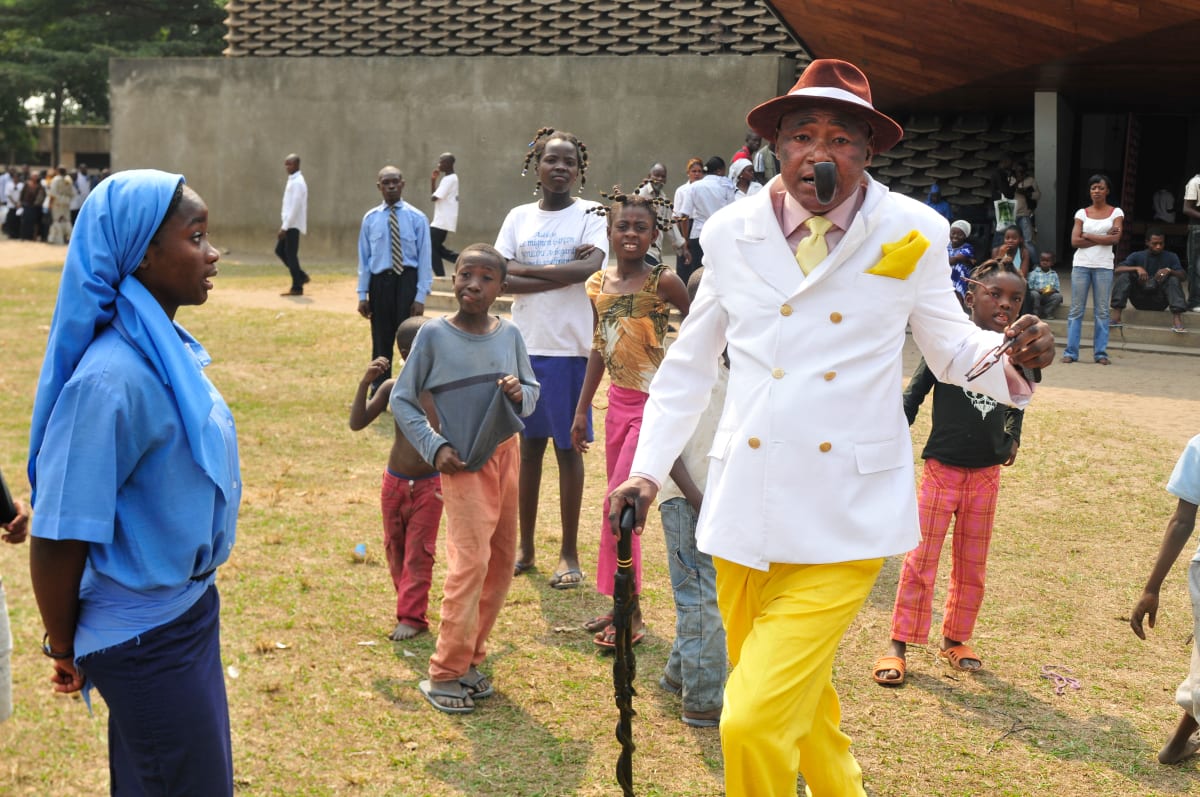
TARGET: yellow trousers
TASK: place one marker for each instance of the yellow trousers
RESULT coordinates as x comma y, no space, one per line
781,712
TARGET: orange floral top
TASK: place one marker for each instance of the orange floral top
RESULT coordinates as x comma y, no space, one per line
630,330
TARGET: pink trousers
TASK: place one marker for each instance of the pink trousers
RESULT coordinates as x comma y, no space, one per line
481,546
412,512
622,426
969,496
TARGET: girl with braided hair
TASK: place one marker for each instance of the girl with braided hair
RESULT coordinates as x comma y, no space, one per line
629,308
553,246
972,436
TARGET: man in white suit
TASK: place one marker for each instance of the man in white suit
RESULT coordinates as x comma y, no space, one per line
811,481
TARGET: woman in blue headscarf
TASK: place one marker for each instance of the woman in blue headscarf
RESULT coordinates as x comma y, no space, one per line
134,467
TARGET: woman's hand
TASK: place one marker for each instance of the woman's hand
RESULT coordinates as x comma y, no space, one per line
66,678
579,433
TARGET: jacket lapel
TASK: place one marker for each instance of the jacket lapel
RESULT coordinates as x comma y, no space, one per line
765,250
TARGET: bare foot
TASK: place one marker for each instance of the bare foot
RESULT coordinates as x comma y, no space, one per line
404,631
1184,742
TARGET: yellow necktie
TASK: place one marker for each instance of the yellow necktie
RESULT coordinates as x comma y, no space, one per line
813,249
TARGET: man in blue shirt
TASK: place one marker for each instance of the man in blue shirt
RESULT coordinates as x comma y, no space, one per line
395,265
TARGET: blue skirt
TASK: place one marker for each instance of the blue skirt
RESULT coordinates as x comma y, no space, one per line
168,716
561,379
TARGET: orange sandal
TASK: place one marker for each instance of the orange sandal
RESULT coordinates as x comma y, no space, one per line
885,663
956,655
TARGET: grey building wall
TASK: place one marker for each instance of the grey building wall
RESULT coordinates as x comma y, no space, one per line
227,124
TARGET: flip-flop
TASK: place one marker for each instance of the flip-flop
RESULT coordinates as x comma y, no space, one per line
472,685
560,579
956,655
521,568
431,694
885,663
598,623
607,638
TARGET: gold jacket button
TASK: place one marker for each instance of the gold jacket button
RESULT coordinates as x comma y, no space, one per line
829,375
785,310
825,447
835,317
777,373
754,442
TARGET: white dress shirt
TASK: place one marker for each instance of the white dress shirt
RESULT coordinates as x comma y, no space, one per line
295,203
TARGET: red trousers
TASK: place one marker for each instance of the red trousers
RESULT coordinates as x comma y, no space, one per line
412,512
969,496
481,546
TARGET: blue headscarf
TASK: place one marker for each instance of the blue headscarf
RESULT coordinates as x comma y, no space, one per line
109,241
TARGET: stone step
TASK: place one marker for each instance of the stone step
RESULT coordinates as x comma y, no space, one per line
1135,337
1140,330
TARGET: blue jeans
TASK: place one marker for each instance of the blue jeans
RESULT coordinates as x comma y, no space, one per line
1099,281
697,659
1025,223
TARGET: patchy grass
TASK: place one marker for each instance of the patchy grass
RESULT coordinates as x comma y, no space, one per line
323,704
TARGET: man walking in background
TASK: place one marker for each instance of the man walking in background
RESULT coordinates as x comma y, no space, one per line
294,222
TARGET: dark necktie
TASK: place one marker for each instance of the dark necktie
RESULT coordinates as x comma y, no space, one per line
394,233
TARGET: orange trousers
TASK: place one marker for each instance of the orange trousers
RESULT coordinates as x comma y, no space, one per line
481,546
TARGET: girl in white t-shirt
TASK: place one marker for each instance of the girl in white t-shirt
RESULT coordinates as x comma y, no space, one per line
553,246
1097,228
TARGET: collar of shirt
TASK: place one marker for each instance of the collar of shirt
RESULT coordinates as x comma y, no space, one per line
792,216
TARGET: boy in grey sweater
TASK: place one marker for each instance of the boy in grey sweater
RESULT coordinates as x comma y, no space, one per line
477,370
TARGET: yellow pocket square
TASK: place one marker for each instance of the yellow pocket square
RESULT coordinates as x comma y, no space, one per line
900,257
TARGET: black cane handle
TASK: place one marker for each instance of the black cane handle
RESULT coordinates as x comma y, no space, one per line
625,541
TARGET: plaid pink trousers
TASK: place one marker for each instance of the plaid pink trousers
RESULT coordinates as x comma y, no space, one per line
969,496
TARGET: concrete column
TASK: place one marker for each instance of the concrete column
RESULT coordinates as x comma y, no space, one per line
1053,122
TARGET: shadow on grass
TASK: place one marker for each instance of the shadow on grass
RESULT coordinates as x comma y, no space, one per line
1018,716
508,748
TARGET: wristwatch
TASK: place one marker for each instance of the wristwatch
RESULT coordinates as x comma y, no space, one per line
51,652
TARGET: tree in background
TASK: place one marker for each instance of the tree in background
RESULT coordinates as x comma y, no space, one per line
58,50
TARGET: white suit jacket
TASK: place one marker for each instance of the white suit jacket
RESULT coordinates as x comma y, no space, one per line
812,460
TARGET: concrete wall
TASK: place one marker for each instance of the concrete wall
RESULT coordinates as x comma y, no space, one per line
227,124
77,144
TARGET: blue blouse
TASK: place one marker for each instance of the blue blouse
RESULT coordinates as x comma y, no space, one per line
116,470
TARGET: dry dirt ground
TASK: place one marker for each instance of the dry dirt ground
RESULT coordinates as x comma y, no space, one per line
1158,392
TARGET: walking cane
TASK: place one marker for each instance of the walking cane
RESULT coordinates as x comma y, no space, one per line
624,666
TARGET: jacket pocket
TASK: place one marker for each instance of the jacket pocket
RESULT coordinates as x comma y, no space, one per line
882,455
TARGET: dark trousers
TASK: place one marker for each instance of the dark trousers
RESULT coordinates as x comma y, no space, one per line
12,223
437,238
1044,304
685,271
1150,295
391,298
288,250
168,714
31,222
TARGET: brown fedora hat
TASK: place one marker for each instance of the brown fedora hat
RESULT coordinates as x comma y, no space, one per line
828,80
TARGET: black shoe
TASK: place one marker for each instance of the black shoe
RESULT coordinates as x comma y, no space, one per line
305,280
293,292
